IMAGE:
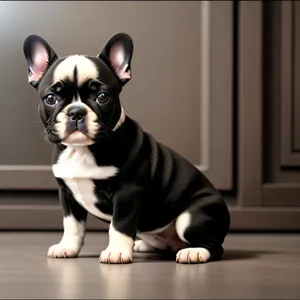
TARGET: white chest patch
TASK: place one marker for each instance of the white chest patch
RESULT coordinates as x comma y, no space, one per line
77,167
83,192
78,162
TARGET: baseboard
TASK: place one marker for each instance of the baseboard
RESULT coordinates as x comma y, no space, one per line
49,217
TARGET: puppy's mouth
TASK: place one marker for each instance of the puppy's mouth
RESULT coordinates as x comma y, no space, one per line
77,138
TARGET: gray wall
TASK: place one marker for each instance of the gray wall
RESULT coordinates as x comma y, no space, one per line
181,90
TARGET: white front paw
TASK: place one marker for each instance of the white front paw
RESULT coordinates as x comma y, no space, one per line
192,256
64,250
115,256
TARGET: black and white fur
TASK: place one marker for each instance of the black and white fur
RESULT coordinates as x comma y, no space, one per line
106,165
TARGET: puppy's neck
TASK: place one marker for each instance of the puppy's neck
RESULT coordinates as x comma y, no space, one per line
120,145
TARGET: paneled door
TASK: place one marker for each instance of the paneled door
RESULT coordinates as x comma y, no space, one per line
268,189
282,104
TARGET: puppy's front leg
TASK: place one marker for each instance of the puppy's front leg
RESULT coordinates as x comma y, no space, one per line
123,228
74,228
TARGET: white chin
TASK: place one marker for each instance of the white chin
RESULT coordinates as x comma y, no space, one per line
77,138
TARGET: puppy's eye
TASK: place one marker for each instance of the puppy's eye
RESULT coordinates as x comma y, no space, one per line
102,98
51,99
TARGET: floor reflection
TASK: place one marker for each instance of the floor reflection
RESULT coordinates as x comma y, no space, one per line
68,276
117,280
72,280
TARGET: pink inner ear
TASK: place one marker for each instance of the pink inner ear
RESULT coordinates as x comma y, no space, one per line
117,58
39,63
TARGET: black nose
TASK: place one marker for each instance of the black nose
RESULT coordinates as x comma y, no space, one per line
76,113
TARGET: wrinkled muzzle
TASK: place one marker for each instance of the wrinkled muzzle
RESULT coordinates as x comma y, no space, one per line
77,124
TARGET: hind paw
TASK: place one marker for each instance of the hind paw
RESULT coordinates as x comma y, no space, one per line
141,246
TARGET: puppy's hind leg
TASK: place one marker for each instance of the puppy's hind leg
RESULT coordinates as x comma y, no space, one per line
149,243
203,226
142,246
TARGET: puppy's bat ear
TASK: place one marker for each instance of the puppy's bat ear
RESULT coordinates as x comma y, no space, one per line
39,56
117,54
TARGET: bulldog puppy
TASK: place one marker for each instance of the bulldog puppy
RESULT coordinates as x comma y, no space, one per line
106,165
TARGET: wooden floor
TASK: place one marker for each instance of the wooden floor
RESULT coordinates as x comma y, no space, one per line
254,266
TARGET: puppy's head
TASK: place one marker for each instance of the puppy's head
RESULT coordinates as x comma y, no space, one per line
79,94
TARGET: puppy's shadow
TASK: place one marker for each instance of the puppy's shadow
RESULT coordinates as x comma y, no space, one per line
89,255
154,257
231,254
140,257
228,255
